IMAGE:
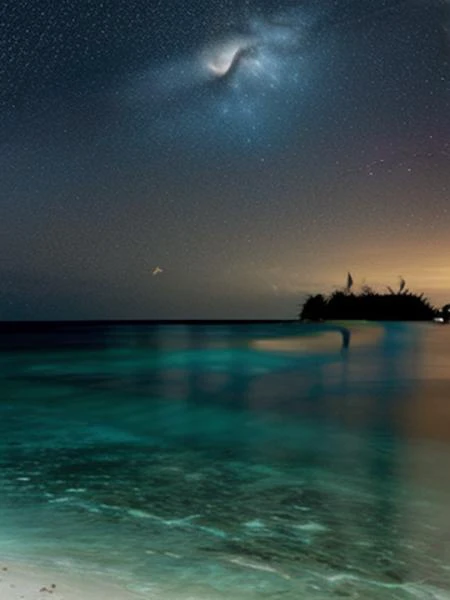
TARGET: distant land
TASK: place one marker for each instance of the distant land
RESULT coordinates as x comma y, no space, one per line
369,305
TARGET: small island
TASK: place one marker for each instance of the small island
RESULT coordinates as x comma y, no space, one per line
369,305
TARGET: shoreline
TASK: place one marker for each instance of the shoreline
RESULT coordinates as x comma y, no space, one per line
27,581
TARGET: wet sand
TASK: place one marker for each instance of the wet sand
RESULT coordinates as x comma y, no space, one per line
29,582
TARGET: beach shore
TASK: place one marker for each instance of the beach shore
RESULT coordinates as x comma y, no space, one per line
29,582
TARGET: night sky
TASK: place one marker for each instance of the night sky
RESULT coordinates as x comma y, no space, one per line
220,159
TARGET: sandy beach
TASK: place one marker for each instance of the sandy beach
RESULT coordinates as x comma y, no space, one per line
28,582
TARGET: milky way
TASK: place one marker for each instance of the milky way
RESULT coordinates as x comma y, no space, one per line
246,81
249,84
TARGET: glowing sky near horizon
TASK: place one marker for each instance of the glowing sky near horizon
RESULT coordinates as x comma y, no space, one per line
254,152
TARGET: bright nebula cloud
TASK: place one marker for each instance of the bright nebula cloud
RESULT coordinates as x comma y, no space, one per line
221,60
240,86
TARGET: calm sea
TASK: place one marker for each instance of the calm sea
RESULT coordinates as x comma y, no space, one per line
231,461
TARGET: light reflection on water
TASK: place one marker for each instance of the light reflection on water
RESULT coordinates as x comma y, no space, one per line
232,461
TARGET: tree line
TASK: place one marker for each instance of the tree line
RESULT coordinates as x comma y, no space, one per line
393,305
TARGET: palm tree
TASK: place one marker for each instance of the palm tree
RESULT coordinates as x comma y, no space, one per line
349,283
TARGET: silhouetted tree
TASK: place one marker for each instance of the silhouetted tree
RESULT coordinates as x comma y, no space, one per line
445,313
369,305
349,283
366,289
313,308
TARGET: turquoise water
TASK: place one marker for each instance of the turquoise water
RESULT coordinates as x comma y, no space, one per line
211,462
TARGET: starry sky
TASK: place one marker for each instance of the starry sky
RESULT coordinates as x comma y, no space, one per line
220,159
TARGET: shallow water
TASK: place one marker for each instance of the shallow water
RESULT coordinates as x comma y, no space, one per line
252,461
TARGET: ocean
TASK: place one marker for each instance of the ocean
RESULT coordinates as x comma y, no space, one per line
230,460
